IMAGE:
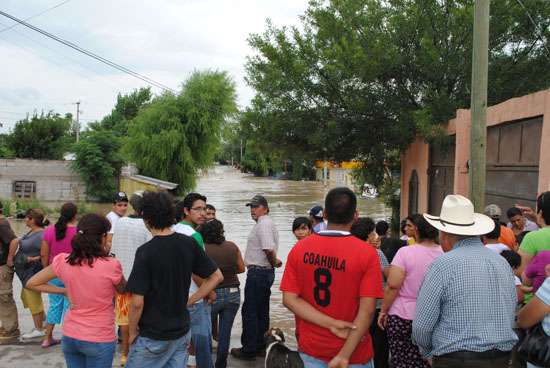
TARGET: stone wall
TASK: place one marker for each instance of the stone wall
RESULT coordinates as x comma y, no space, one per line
54,181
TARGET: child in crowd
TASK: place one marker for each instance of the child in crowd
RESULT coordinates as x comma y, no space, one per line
119,208
514,260
302,228
210,212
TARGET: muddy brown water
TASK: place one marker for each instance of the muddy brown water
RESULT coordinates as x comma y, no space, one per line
229,191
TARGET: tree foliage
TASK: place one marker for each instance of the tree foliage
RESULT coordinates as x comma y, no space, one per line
176,135
97,161
126,109
362,78
40,137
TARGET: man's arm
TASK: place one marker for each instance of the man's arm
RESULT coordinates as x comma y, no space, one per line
367,305
272,258
14,244
135,311
306,311
206,287
211,295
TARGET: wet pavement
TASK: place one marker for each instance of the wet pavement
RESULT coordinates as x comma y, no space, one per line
229,191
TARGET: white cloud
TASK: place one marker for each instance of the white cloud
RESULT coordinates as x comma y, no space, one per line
164,40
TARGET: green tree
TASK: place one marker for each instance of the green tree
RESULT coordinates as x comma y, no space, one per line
174,136
97,162
126,109
362,78
40,137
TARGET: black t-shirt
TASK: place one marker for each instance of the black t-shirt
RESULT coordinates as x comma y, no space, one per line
6,236
162,274
390,246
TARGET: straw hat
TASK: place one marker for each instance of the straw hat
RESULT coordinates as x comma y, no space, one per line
458,217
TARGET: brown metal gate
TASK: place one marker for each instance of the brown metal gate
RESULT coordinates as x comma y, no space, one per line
513,152
442,176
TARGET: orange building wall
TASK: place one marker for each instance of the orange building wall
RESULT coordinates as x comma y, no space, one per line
416,158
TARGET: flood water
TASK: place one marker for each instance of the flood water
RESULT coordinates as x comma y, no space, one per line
229,191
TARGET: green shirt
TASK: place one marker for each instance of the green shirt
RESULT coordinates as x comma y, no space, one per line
185,228
535,241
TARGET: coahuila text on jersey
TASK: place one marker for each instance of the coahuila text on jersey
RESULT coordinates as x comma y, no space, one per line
325,261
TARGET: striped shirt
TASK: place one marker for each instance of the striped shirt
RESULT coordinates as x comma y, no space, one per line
466,302
543,293
383,265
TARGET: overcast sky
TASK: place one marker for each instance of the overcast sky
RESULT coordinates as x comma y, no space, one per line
164,40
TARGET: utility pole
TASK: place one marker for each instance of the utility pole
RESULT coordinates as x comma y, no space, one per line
478,119
77,119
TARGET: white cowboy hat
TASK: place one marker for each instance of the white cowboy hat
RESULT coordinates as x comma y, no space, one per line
458,217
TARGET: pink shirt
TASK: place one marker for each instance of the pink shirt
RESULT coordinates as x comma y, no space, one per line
92,289
62,246
414,260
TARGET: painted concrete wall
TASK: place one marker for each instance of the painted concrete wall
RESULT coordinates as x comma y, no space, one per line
54,180
416,158
417,155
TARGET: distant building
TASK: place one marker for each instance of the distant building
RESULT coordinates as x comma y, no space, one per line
131,181
49,180
338,173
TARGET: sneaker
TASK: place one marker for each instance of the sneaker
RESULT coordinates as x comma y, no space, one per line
9,335
34,333
191,361
240,354
123,361
214,345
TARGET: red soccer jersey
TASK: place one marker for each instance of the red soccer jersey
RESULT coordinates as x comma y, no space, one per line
331,272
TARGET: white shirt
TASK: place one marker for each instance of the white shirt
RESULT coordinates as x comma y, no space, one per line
499,247
113,219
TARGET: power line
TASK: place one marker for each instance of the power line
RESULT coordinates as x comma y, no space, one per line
65,56
106,61
34,16
536,27
89,53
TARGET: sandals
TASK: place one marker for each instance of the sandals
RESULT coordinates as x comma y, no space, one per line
51,343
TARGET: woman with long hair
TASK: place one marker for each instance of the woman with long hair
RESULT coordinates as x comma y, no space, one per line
91,278
407,270
56,240
228,257
27,264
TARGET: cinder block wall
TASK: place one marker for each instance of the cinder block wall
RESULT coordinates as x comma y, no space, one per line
54,180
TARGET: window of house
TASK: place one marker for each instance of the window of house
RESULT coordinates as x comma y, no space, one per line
24,189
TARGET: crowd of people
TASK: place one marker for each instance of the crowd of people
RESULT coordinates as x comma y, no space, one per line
455,291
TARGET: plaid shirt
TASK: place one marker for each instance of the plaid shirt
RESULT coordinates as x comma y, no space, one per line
264,235
466,302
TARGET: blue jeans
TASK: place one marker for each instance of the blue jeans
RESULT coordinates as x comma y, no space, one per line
87,354
311,362
255,310
226,306
149,353
201,333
